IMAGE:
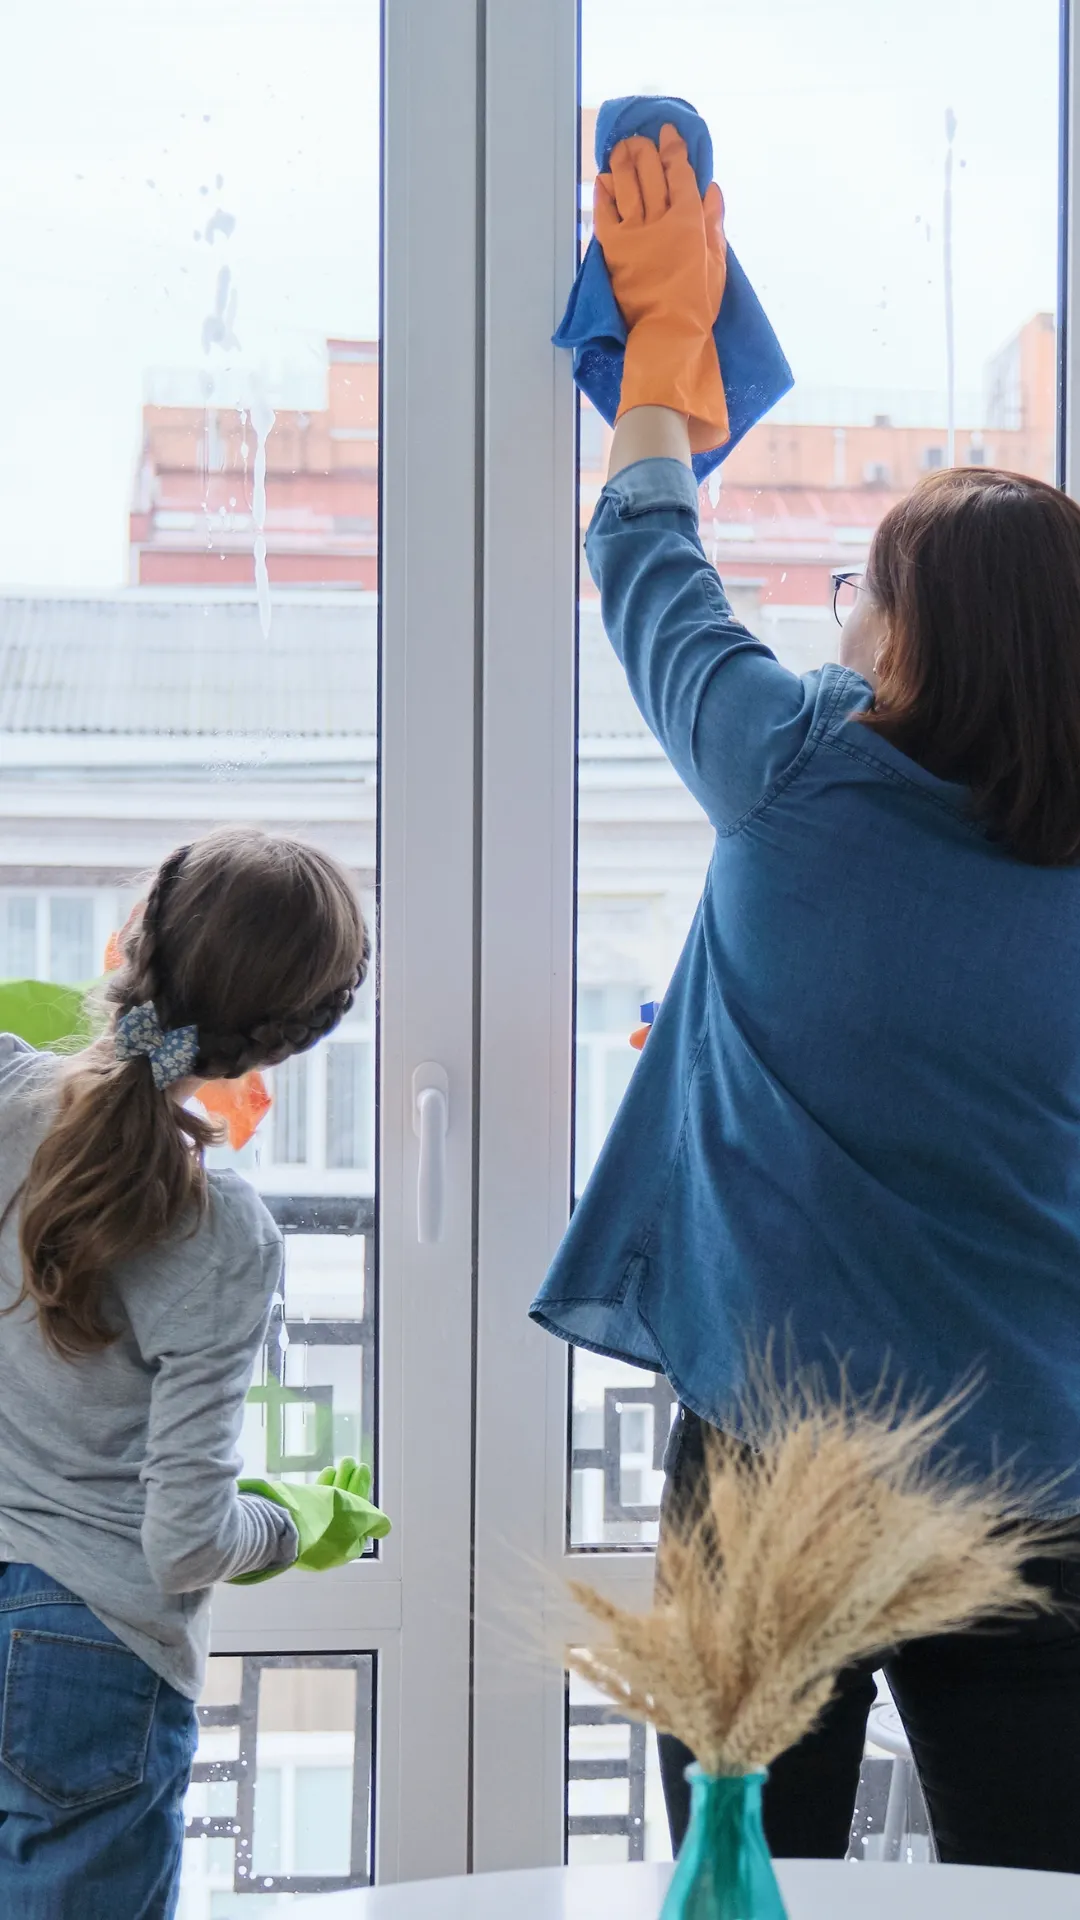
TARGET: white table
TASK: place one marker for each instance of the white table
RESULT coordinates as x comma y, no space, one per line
813,1890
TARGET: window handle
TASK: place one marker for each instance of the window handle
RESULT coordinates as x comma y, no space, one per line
431,1120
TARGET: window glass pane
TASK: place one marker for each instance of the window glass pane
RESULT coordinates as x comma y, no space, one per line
71,941
313,1399
620,1815
290,1111
867,273
607,1015
267,1851
323,1815
618,1066
614,1798
349,1106
18,937
192,304
280,1801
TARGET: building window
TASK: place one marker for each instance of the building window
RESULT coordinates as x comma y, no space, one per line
290,1132
876,473
933,457
18,937
605,1060
72,960
348,1109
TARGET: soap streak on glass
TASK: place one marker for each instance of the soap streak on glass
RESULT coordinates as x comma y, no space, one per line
262,419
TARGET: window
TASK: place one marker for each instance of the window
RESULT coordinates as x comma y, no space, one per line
604,1061
320,1135
192,633
348,1118
49,936
72,959
242,622
595,436
18,936
879,401
323,1800
281,1799
290,1112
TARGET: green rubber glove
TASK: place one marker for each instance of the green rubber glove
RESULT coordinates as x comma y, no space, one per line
335,1518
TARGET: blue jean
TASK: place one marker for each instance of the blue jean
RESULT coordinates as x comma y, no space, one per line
95,1759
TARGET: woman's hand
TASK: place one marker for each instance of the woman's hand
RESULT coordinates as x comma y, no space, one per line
665,253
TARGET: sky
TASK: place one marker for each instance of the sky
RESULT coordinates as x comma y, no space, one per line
126,127
828,123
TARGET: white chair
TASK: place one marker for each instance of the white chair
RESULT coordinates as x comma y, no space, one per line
885,1730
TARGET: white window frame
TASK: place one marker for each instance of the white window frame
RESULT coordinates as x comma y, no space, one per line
411,1605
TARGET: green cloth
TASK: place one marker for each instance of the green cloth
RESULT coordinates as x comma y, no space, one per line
724,1870
44,1014
334,1518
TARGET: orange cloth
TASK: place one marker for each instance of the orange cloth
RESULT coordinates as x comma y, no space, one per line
240,1103
666,255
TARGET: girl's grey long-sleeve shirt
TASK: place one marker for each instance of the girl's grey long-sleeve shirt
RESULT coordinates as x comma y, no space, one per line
118,1470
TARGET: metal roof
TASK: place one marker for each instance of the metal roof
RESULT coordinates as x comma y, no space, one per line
150,662
184,661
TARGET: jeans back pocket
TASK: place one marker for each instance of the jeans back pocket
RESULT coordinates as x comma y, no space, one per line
77,1715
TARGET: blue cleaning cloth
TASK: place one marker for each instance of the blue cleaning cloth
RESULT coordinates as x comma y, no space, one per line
754,370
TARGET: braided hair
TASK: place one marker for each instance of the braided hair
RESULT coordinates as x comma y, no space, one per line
225,1053
259,943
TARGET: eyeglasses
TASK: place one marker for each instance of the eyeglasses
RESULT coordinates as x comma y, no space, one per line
844,588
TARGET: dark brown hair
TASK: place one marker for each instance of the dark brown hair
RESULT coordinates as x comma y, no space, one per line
977,573
259,943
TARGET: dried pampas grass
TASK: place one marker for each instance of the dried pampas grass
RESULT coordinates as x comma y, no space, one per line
842,1536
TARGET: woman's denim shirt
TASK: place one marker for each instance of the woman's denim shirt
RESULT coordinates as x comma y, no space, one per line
855,1124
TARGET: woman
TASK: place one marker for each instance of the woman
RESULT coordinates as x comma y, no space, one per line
857,1117
135,1291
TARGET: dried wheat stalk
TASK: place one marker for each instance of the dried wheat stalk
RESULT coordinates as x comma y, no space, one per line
839,1538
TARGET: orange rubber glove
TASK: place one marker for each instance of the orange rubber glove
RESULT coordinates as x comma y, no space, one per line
665,252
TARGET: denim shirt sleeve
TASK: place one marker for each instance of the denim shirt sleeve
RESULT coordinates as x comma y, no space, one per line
729,717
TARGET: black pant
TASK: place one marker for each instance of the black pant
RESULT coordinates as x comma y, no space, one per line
993,1718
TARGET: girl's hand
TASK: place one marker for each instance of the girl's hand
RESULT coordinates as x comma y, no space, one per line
665,253
334,1518
349,1475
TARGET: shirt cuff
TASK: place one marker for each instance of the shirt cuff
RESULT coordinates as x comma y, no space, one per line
653,486
283,1544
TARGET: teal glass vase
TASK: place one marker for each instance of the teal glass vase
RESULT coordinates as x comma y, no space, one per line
724,1870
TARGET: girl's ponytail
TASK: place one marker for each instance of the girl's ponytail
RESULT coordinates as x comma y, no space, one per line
118,1169
258,944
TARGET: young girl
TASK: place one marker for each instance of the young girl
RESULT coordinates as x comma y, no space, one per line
135,1289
